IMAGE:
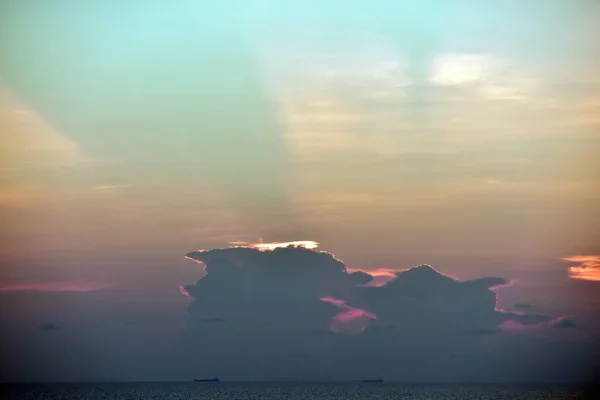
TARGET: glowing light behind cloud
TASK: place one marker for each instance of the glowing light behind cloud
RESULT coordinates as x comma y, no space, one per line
494,289
308,244
586,267
197,261
183,291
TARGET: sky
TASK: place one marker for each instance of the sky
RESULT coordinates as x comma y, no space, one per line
154,156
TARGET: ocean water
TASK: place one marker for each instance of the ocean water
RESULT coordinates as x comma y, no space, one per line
286,391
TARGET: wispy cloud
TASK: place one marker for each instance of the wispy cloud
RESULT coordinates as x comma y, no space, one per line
513,326
69,286
490,76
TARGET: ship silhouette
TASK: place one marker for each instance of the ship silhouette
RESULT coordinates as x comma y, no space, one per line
207,380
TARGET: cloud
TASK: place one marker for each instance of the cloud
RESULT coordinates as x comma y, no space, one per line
280,301
490,76
361,277
534,323
273,282
350,320
585,267
69,286
49,326
513,326
282,286
375,277
424,298
562,323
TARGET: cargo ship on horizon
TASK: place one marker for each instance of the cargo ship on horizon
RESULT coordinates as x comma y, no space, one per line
207,380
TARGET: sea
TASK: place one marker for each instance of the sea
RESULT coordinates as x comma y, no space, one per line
287,391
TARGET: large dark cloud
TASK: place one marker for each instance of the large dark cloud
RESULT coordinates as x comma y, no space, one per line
280,288
291,285
297,312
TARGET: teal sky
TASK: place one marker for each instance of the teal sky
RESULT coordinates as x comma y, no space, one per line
454,132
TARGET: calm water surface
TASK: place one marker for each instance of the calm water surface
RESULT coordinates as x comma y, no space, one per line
291,391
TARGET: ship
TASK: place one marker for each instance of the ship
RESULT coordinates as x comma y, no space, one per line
372,380
207,380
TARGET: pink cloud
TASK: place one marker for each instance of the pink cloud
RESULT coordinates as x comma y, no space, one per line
350,320
333,300
517,327
70,286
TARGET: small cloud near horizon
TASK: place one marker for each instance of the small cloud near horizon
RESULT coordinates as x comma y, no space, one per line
49,326
70,286
513,326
